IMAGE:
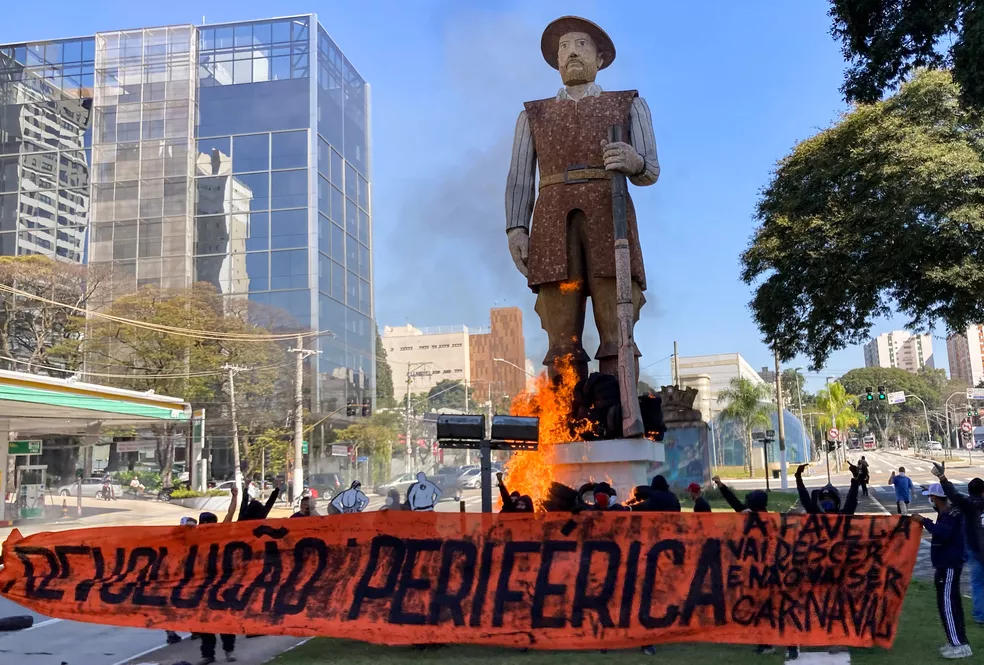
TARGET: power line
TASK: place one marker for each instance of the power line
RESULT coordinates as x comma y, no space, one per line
183,375
173,330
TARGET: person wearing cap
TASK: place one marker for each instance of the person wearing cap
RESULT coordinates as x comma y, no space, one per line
947,554
560,228
972,508
903,490
700,503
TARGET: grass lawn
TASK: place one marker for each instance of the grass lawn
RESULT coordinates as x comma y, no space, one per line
779,501
919,638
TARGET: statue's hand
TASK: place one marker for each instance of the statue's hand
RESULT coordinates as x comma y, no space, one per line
519,247
623,158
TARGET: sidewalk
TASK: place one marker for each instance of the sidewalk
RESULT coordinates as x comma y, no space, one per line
253,651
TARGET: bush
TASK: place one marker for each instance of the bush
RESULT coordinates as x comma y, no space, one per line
194,494
149,479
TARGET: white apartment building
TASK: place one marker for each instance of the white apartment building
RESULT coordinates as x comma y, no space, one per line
900,349
426,356
711,374
966,352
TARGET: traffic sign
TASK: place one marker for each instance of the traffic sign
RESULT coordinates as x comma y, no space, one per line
362,460
339,450
24,448
304,447
897,397
975,393
966,426
969,444
833,434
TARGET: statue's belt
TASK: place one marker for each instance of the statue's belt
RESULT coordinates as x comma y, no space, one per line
576,174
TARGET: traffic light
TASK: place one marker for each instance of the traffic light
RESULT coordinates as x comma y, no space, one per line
869,396
881,393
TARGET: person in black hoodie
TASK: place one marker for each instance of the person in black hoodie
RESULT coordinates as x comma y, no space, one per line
661,499
827,499
972,508
756,501
947,554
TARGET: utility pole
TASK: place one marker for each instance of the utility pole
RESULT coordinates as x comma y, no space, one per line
784,481
676,365
233,370
411,467
302,353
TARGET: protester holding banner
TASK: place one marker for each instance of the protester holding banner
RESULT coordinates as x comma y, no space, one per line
827,499
661,499
947,554
252,509
972,508
393,501
756,501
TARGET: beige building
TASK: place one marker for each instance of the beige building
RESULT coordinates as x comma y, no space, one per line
423,357
900,349
966,353
711,374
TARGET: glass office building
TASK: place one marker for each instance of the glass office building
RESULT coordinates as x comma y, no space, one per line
234,154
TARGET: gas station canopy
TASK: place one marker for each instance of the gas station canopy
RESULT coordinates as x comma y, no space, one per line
33,406
42,405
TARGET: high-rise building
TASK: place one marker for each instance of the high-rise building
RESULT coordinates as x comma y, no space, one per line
491,360
235,154
966,353
900,349
498,355
45,116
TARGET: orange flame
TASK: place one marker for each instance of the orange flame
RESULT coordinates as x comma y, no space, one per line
552,402
570,286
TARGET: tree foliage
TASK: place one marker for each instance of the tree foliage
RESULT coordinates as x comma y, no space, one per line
886,40
748,406
886,206
839,408
374,439
144,359
384,376
30,329
450,394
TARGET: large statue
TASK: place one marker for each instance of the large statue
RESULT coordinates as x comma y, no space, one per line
567,250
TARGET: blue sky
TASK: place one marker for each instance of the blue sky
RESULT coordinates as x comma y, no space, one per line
732,87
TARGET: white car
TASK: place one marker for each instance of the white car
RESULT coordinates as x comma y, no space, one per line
934,445
471,479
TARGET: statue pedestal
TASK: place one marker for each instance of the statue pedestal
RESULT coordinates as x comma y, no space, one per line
623,463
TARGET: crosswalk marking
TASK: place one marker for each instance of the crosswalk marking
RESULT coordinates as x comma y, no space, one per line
822,658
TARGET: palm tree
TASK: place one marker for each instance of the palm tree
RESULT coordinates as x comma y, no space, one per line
834,399
748,406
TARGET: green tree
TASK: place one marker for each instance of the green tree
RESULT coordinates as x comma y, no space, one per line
35,322
839,408
747,404
793,393
384,376
277,443
183,366
374,439
886,40
449,394
886,205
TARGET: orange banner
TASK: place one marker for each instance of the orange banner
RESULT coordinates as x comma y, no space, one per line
549,581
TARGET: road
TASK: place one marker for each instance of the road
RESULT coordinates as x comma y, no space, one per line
54,641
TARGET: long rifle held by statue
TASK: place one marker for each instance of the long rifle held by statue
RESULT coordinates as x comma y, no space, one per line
624,308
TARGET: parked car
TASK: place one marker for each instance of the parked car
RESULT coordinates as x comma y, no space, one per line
325,486
403,482
91,488
471,479
934,445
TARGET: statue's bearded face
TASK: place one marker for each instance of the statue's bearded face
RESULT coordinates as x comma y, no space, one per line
578,58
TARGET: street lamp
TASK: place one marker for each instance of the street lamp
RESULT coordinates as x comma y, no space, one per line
521,369
946,411
929,432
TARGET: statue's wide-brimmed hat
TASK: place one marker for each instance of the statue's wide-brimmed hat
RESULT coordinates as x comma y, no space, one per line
550,41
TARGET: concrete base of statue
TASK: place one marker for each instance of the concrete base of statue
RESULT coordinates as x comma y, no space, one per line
623,463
